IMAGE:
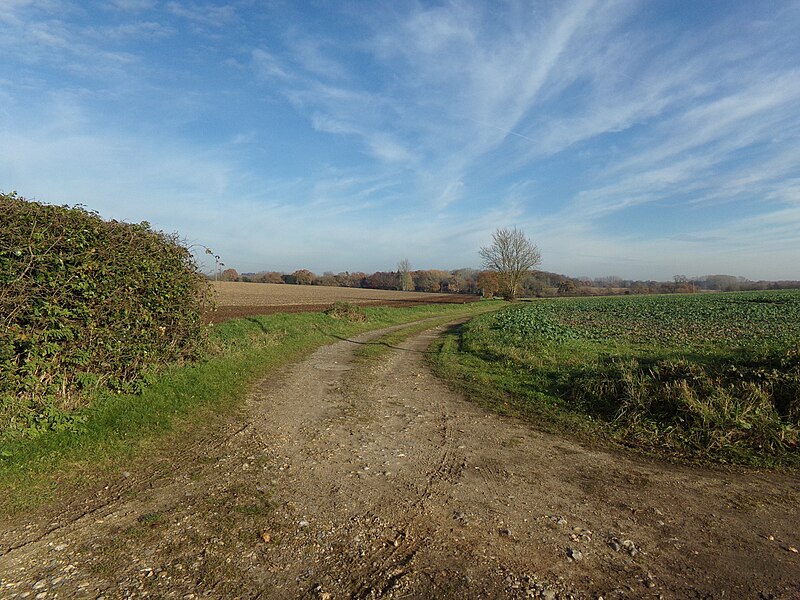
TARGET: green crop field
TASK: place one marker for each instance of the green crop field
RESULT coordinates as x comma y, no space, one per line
703,323
713,376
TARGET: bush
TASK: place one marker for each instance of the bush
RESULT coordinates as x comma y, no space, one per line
87,305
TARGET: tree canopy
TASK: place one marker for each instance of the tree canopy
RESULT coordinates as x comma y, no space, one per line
511,255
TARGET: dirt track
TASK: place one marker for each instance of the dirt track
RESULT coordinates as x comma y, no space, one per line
345,480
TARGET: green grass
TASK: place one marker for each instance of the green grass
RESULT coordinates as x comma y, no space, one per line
180,402
376,348
707,377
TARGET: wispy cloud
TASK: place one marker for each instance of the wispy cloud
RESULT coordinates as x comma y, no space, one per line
315,56
617,134
267,66
133,5
387,149
465,88
140,30
213,14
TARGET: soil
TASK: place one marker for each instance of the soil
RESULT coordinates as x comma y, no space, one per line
352,479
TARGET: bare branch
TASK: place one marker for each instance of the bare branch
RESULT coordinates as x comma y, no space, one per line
512,256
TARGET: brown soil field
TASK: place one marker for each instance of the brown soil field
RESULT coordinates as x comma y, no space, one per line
236,299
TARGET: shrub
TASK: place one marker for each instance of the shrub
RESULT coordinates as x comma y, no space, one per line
87,305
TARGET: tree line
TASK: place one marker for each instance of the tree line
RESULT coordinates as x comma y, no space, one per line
464,281
509,262
538,284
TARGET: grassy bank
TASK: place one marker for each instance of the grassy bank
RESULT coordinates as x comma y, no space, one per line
178,402
713,377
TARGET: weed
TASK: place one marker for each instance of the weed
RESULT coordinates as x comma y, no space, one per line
347,311
152,519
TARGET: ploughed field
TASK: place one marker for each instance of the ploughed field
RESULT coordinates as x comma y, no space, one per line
236,299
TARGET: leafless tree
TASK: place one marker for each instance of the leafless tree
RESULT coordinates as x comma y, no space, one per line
406,281
511,255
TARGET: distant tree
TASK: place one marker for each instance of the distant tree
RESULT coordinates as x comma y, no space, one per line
511,255
303,277
464,281
682,284
424,281
442,278
328,278
723,283
567,286
431,280
609,281
351,280
533,285
229,275
488,283
381,280
404,270
267,277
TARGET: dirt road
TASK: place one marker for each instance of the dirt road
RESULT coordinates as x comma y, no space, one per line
368,480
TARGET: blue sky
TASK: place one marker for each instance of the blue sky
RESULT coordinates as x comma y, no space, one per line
639,139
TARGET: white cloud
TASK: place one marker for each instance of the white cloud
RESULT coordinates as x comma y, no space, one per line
314,56
249,137
212,14
137,30
451,193
328,124
752,113
470,83
267,66
425,127
133,5
12,11
387,149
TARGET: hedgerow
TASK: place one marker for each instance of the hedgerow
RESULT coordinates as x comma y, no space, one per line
87,306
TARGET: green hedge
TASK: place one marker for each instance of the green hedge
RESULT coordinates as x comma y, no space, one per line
87,306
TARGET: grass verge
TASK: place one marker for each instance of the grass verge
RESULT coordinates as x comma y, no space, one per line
181,400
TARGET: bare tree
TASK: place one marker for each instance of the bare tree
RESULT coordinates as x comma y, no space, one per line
511,255
406,281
